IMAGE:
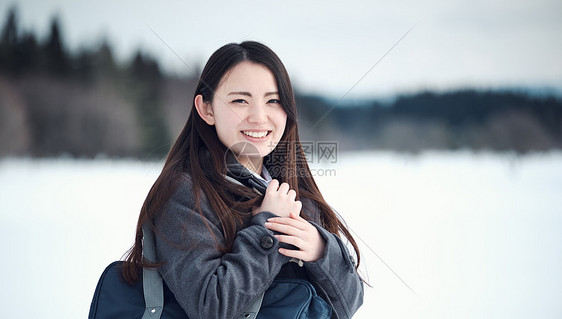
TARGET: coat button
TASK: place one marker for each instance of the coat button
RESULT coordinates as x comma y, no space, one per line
266,242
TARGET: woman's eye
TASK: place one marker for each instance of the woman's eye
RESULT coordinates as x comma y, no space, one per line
239,101
274,101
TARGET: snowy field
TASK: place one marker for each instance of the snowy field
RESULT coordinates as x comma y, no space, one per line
443,235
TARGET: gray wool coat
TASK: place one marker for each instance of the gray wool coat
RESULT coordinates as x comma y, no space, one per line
210,284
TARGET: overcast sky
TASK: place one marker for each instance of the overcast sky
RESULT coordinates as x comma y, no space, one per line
329,46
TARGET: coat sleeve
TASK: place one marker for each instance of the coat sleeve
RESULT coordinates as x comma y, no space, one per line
335,272
206,282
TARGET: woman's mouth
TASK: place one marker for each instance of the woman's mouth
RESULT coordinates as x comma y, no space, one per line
256,134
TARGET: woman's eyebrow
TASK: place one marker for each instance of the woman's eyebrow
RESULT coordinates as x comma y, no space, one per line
250,94
240,93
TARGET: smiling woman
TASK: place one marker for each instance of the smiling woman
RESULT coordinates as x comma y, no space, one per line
246,108
236,212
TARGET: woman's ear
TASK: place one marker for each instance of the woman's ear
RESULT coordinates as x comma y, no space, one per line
204,109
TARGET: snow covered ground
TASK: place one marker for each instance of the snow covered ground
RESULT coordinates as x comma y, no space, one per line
443,235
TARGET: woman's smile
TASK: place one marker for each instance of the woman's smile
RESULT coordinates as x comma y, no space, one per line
256,134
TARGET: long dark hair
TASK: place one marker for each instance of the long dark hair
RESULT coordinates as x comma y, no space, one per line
199,152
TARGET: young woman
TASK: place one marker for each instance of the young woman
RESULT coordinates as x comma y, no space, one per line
236,206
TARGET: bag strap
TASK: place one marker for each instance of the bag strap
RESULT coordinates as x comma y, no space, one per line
151,279
154,289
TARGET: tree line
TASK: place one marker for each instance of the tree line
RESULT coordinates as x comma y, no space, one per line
461,119
57,102
85,103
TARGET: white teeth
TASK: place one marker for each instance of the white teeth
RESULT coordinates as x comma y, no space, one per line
255,134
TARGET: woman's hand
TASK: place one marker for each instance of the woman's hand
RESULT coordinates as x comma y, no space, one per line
300,233
279,200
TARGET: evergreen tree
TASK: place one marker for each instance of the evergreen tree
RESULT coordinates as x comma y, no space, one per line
8,43
97,64
27,53
56,57
146,81
104,62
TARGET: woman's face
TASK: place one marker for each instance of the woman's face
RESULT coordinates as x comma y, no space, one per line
246,111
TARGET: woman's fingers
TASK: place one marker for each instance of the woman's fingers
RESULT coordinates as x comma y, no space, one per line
292,240
284,188
289,221
298,232
280,200
298,204
273,186
310,249
298,216
284,228
299,254
292,194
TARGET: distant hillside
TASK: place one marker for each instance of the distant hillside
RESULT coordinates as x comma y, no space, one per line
427,120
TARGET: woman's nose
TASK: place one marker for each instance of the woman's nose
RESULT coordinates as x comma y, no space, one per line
258,114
